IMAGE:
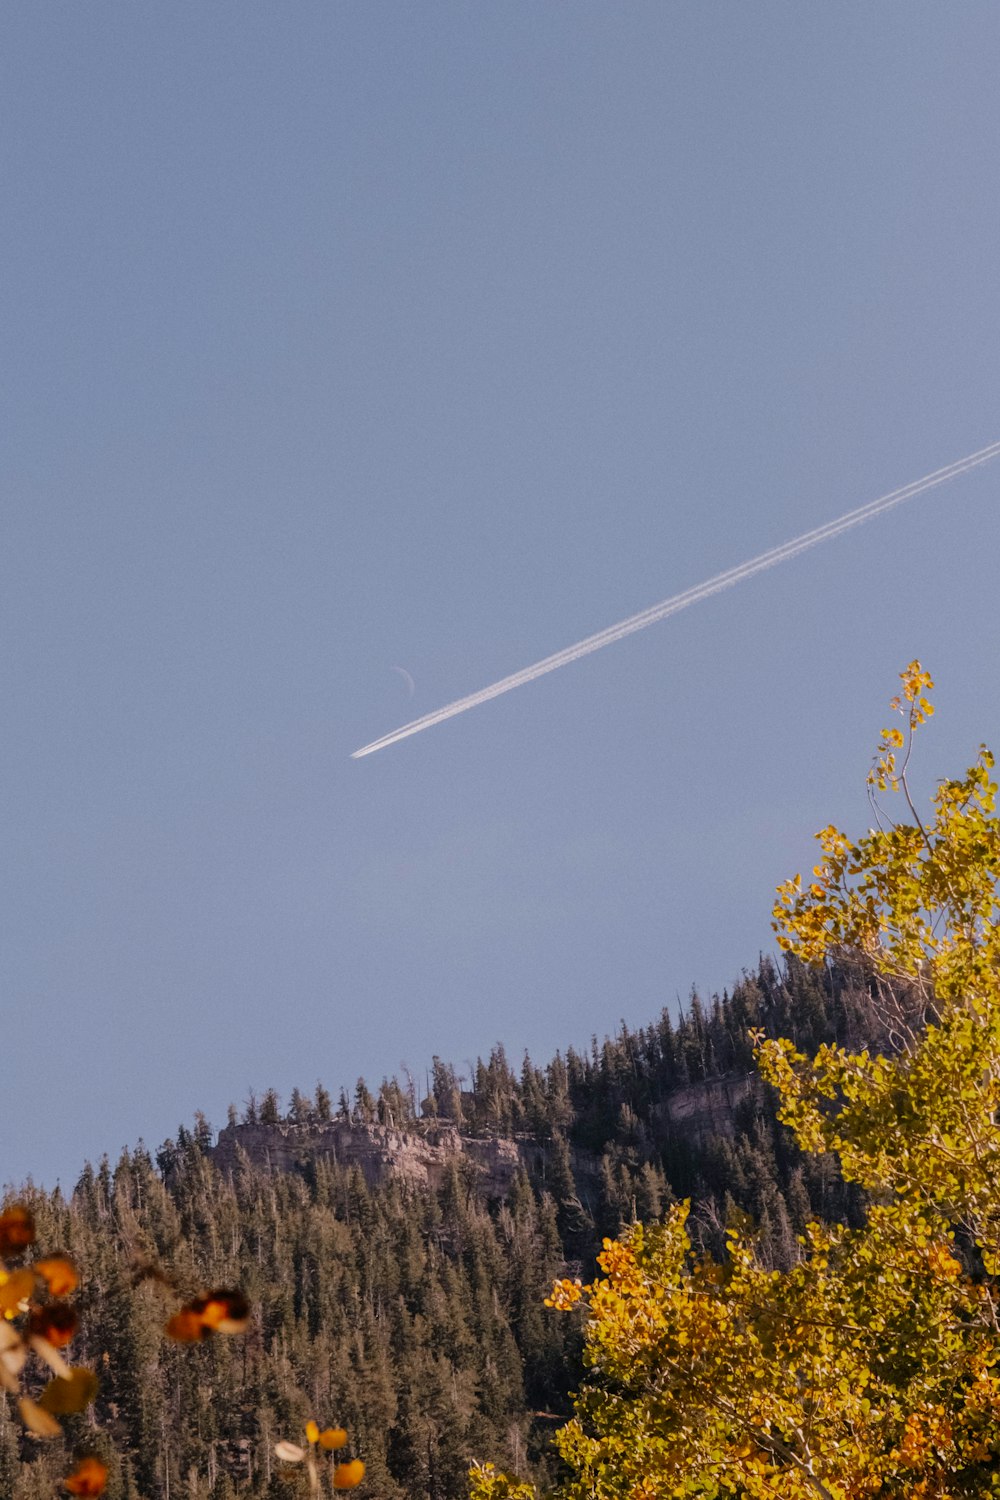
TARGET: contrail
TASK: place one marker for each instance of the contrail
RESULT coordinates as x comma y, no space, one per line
690,596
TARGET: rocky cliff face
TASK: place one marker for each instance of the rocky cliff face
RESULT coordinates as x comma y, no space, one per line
701,1109
422,1156
419,1158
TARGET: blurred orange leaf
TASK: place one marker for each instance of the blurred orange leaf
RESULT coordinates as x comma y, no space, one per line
56,1323
215,1312
59,1273
223,1311
88,1478
186,1327
346,1476
17,1229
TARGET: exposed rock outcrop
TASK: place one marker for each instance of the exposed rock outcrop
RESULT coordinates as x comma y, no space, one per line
697,1110
420,1158
422,1155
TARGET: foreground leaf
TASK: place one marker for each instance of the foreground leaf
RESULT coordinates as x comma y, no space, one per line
62,1397
17,1229
291,1453
37,1419
89,1478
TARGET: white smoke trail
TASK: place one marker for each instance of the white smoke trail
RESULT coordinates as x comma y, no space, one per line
690,596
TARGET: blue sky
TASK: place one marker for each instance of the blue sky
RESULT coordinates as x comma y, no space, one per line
345,337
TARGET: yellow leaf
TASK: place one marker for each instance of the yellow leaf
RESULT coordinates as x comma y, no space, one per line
346,1476
17,1287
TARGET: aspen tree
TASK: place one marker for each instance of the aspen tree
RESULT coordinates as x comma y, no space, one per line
870,1366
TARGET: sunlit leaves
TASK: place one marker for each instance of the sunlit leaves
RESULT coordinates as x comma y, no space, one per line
565,1294
872,1366
764,1382
917,902
485,1483
916,710
916,897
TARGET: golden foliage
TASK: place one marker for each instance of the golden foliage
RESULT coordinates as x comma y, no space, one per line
872,1366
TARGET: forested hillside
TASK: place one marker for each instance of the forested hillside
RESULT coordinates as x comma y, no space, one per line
413,1315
